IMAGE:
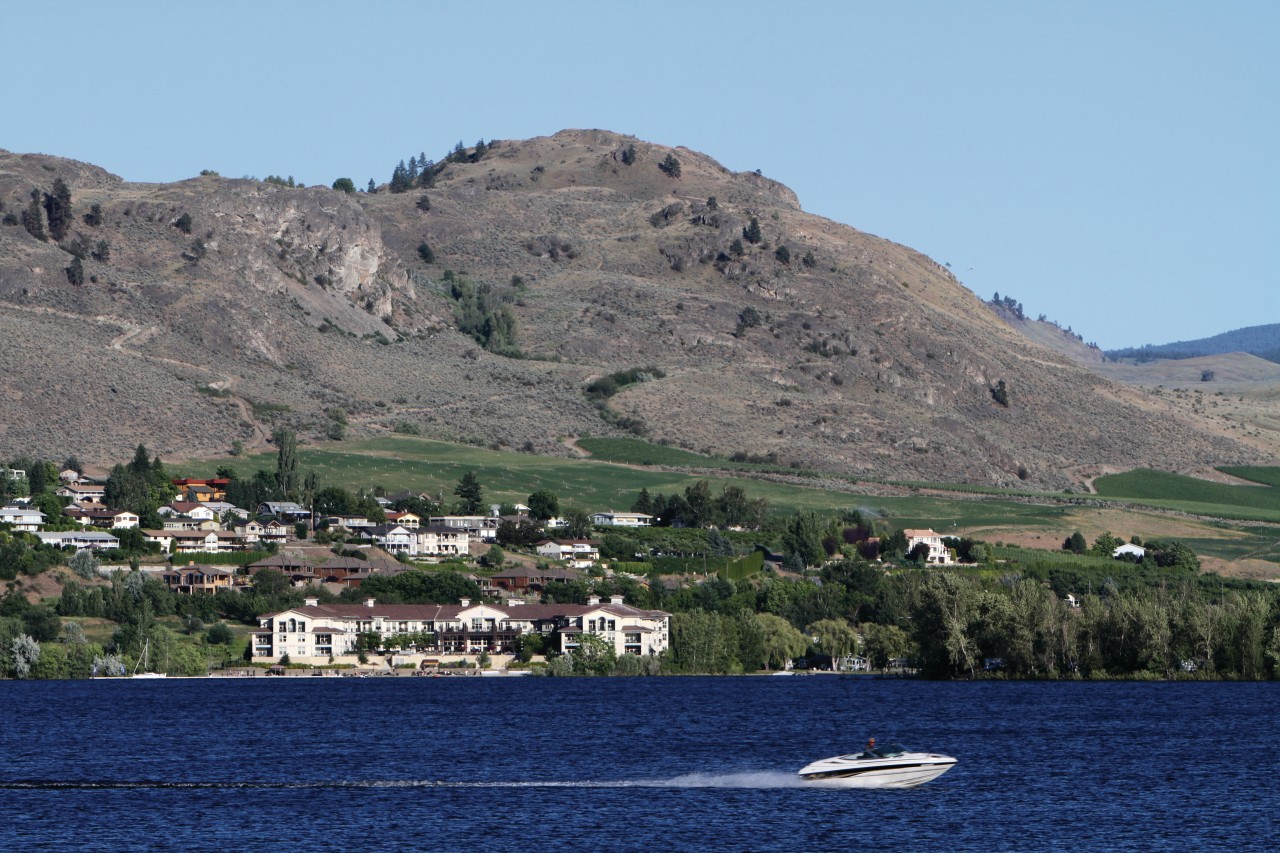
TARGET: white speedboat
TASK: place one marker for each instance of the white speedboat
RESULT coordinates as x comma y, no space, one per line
889,766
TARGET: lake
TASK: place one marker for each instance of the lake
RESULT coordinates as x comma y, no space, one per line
629,764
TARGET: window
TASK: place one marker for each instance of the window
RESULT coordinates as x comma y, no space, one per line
477,624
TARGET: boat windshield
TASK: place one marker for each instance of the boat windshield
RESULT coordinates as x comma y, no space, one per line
889,750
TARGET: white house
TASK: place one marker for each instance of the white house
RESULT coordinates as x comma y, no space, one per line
189,509
578,553
938,553
92,539
391,538
481,528
195,541
314,632
437,540
609,518
26,520
116,519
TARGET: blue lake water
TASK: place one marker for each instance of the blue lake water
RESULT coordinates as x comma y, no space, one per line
472,764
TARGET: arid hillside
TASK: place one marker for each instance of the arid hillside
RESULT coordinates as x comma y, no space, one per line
207,311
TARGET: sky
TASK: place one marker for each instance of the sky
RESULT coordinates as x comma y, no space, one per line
1110,165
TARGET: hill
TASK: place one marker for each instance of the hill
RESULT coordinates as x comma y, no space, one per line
482,303
1262,341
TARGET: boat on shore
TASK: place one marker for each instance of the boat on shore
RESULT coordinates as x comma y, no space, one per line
890,766
142,664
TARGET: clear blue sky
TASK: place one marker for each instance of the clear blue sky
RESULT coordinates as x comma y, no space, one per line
1111,165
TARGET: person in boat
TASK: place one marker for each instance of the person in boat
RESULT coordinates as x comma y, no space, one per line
871,748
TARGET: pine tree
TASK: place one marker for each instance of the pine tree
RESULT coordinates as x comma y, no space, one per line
400,179
752,232
75,272
670,166
94,217
33,217
470,495
57,205
373,188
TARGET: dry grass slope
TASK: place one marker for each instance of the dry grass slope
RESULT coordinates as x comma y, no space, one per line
862,356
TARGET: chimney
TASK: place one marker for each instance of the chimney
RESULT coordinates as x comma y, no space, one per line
311,602
465,602
368,602
593,600
615,599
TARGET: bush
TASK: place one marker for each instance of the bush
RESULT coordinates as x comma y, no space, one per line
183,223
424,252
345,185
219,635
670,166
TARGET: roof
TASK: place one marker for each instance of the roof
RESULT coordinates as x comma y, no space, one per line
919,534
185,507
452,612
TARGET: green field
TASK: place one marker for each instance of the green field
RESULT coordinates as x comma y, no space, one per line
1189,494
635,451
434,467
424,465
1268,475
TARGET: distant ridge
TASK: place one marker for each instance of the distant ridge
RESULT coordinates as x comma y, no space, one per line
1262,341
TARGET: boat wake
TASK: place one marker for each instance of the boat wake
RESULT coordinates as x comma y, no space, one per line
754,779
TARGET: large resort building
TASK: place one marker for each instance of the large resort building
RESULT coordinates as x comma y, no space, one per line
316,633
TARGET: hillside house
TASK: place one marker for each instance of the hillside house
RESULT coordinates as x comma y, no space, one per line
182,522
114,519
192,579
347,522
578,553
523,579
939,553
284,510
188,509
481,528
86,493
437,540
195,541
390,537
201,490
609,518
93,540
275,531
26,520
